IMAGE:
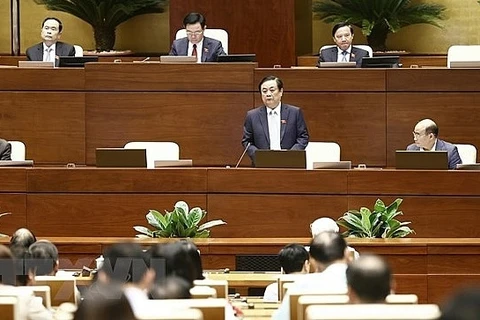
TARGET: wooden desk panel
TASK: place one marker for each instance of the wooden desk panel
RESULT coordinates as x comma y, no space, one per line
28,79
270,215
207,126
404,110
109,215
16,204
412,283
441,287
108,180
324,80
260,181
51,124
13,179
207,77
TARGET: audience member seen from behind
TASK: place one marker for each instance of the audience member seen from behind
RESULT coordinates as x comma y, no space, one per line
5,150
172,287
275,125
46,253
196,44
328,259
369,280
342,34
23,238
463,305
329,225
50,48
425,137
293,260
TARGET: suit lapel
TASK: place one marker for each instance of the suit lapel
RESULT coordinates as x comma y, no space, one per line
39,52
264,122
205,49
284,120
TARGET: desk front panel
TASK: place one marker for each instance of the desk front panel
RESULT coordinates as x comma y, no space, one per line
40,79
208,127
16,204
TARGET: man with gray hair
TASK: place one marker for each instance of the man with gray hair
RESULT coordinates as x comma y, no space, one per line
326,224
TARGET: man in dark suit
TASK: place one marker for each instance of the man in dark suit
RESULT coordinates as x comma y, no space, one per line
5,150
195,44
425,137
342,34
50,48
275,125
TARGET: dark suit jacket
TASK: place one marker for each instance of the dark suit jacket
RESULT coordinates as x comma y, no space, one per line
211,49
452,151
331,55
5,150
35,53
293,130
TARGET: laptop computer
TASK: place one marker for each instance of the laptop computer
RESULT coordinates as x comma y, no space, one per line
471,64
121,158
16,163
178,59
425,160
75,62
349,64
468,166
333,165
265,158
249,57
36,64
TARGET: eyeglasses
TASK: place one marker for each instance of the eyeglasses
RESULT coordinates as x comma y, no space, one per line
194,33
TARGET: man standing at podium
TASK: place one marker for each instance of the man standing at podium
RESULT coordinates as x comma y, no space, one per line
275,125
50,48
196,44
425,137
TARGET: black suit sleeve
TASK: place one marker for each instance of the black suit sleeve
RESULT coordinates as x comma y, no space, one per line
6,154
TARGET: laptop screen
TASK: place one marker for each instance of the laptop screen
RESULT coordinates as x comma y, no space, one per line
424,160
120,157
280,159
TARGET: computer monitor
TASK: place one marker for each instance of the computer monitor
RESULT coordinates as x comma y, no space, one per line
422,160
75,62
237,58
265,158
120,157
381,62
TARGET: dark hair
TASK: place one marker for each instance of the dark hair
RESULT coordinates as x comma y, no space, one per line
60,25
369,277
23,238
44,249
125,262
292,257
194,17
464,305
432,128
172,287
341,25
268,78
328,247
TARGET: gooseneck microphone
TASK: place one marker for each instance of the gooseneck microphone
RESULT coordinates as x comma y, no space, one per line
243,154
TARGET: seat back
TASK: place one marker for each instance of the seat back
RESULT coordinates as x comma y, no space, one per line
310,300
463,53
467,152
156,151
220,286
373,312
212,309
217,34
360,46
203,292
18,150
9,308
284,282
62,289
78,50
296,293
181,314
322,152
401,299
44,293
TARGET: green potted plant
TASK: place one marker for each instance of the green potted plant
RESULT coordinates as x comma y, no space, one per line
379,223
378,18
105,15
179,223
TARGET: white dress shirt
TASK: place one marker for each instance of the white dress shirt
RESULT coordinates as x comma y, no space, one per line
49,53
199,50
273,116
341,57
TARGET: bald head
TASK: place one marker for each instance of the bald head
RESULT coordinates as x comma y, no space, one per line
369,279
427,126
23,238
425,134
327,248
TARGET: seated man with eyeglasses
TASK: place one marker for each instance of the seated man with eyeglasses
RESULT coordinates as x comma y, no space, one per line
425,138
195,44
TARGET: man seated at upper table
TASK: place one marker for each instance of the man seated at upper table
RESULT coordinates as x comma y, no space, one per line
425,136
5,150
275,125
50,48
196,44
342,34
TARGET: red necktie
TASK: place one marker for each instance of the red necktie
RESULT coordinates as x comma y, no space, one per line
194,51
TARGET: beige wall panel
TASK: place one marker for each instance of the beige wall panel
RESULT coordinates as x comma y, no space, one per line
4,27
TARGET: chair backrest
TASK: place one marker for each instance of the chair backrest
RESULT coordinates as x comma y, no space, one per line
18,150
322,152
360,46
217,34
44,293
295,295
156,151
401,299
310,300
220,286
9,308
62,288
203,292
283,282
181,314
211,308
467,152
373,312
78,50
463,53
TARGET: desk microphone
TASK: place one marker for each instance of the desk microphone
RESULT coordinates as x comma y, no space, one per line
243,154
146,59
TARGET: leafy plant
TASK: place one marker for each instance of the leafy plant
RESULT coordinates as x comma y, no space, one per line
1,215
179,223
105,15
380,223
378,18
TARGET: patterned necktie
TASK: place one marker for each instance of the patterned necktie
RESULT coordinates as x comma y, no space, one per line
194,51
49,54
